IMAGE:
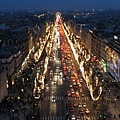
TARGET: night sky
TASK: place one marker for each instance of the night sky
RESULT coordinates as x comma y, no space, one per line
58,4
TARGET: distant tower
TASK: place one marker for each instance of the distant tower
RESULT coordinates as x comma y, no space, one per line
58,15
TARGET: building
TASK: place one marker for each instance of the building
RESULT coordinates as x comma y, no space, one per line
106,49
3,83
113,58
10,58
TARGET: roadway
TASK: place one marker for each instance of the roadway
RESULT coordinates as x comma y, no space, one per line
56,104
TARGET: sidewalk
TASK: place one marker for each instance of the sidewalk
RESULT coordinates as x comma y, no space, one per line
17,104
113,99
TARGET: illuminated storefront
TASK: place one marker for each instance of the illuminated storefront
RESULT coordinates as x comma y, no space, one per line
113,62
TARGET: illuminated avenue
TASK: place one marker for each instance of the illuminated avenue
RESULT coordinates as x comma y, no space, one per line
61,77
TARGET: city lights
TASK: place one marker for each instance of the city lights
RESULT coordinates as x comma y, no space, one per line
82,69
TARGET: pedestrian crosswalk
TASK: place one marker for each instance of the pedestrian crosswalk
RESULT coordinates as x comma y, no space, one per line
58,118
63,98
52,118
63,118
56,97
87,118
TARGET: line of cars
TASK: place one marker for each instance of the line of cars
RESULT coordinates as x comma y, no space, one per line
75,81
81,106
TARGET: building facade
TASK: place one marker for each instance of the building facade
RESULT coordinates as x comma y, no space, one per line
3,84
106,50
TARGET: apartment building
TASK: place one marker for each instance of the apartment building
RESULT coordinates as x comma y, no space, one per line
3,83
10,59
113,57
106,49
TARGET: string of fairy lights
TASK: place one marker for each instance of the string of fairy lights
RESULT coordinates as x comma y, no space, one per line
81,66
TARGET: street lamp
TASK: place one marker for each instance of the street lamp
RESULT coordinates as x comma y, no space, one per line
115,102
109,93
13,112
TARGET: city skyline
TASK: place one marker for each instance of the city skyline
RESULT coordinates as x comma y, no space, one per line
58,4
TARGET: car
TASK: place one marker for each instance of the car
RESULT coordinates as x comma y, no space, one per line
46,86
72,91
69,94
87,111
77,95
53,99
80,85
71,109
51,72
57,69
75,104
53,82
84,104
75,86
80,90
80,105
74,83
37,96
73,117
73,95
78,118
83,95
81,81
70,104
78,81
81,111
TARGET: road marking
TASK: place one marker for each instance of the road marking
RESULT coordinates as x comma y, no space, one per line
52,118
90,117
62,98
56,98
